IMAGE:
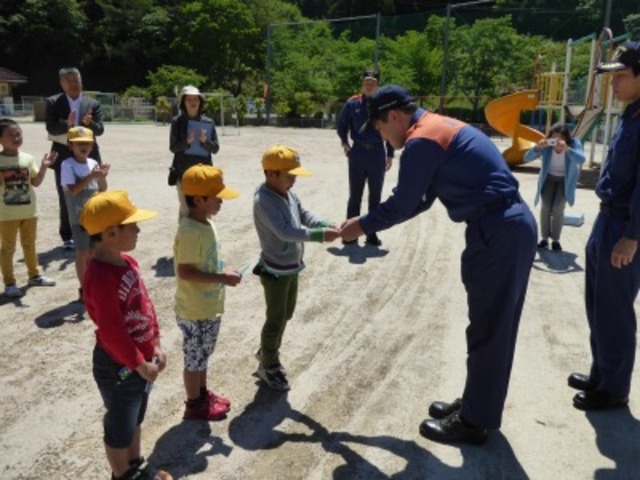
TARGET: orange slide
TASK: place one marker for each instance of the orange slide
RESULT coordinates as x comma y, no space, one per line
503,114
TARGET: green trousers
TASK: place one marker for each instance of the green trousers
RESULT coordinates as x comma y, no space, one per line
280,295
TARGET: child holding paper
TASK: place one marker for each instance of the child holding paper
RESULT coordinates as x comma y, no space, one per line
193,138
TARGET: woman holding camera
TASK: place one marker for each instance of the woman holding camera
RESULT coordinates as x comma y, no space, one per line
562,157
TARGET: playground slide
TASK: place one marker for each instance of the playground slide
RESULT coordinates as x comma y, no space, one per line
503,114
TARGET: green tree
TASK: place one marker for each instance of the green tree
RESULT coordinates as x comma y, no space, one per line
413,61
485,58
42,36
128,39
219,39
169,79
632,24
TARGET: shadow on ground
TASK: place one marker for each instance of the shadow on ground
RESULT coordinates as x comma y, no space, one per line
179,450
164,267
358,254
72,312
617,432
256,428
556,262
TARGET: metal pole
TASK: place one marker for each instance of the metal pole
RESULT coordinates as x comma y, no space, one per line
376,53
267,100
445,61
607,16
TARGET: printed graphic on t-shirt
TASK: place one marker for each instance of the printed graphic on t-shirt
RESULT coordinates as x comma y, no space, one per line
138,309
16,186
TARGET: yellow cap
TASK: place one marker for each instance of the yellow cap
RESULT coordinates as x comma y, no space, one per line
109,209
80,134
283,159
206,181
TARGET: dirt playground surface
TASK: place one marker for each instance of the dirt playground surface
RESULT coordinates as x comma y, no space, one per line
377,335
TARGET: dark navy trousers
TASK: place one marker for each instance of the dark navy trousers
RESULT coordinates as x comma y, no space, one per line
609,297
496,263
366,164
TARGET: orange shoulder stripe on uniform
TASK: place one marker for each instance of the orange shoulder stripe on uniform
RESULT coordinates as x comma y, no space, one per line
436,127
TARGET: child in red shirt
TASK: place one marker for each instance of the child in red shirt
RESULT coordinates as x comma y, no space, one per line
127,357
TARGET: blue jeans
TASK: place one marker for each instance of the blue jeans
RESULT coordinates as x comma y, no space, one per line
125,399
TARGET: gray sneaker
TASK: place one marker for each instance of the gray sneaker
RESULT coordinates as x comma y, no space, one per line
258,356
13,291
41,281
273,377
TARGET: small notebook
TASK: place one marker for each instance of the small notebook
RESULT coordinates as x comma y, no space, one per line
196,147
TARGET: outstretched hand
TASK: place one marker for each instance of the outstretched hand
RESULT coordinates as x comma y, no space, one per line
330,234
49,159
351,229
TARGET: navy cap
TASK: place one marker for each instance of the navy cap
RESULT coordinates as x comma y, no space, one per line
626,55
384,99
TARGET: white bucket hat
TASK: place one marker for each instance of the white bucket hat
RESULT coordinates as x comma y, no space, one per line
189,90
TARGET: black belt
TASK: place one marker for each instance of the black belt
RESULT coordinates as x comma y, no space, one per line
618,212
368,146
275,266
494,205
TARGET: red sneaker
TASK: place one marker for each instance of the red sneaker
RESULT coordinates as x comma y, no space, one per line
203,410
217,411
215,398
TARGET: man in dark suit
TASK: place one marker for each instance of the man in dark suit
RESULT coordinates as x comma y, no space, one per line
64,111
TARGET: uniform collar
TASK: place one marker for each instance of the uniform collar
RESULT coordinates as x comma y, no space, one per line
632,110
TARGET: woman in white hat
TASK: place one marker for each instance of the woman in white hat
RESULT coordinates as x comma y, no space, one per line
193,138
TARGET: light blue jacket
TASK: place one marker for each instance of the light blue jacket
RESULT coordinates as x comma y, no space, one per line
573,159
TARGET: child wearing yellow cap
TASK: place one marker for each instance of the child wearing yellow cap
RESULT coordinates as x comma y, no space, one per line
81,177
200,287
127,357
283,225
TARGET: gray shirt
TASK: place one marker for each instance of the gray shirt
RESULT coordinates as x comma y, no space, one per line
283,225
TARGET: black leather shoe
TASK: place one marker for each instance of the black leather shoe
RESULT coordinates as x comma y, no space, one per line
373,240
440,410
597,400
452,429
579,381
350,242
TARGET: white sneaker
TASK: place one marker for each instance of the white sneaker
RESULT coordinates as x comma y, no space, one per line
13,291
41,281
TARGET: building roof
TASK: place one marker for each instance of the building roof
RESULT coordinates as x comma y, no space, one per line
7,76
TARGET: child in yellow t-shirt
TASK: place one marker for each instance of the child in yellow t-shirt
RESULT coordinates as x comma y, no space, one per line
19,174
200,281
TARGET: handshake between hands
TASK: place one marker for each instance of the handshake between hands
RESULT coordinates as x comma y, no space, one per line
349,230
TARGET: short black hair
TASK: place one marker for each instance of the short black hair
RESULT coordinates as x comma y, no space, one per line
562,129
6,122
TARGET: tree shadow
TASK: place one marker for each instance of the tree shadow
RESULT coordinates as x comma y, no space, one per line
357,254
617,432
164,267
256,429
180,449
556,262
72,312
